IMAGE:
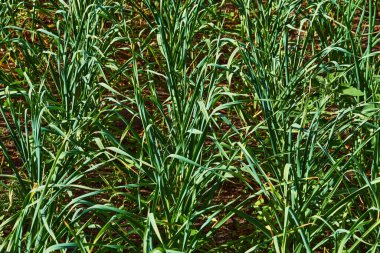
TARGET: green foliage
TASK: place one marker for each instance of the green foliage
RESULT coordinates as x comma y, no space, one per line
189,126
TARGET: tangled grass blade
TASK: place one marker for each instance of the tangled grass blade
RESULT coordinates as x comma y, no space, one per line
189,126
